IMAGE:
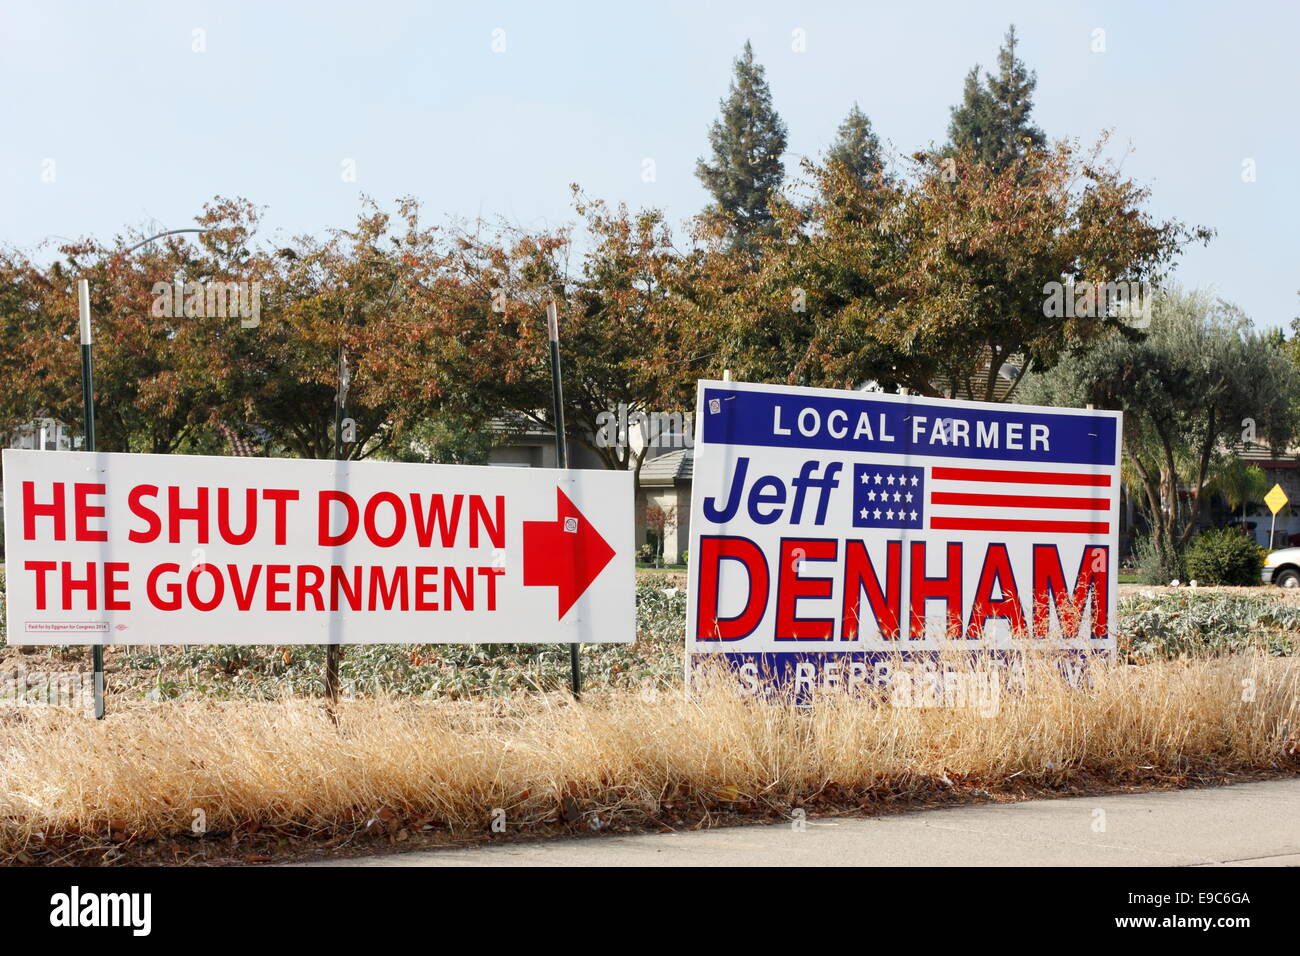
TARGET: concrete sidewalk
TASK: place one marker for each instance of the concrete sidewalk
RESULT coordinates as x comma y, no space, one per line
1249,824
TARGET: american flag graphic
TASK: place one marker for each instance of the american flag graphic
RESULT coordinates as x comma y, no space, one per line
980,499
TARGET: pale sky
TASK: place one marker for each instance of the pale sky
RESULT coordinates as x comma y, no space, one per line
137,128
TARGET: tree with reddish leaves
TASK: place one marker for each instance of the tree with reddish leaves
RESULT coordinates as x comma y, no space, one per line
351,307
935,278
659,521
624,339
156,389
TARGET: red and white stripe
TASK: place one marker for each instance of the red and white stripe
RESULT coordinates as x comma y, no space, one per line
990,499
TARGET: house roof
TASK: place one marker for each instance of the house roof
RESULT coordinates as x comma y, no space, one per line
675,468
1008,374
519,427
239,446
1257,454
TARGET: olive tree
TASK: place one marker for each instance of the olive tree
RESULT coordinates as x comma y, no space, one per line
1191,386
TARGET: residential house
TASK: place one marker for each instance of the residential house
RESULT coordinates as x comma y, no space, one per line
43,434
664,498
664,492
1279,469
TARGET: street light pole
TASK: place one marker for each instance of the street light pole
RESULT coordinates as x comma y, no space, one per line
169,232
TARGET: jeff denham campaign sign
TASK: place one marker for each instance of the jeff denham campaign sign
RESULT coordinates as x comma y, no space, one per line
836,527
176,549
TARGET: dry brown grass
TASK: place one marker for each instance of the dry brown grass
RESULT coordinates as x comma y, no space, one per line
68,781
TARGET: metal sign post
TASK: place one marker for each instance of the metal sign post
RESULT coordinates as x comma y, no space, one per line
1276,500
333,652
561,457
88,403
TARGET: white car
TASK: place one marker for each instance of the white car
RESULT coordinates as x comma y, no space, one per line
1282,568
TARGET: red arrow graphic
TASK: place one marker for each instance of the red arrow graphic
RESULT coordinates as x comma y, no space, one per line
567,553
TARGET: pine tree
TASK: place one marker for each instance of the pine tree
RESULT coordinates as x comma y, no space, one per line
973,121
747,142
993,118
857,147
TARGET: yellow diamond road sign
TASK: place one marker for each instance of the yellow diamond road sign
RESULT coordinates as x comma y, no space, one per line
1275,499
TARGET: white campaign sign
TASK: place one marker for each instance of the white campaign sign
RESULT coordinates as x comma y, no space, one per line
831,528
176,549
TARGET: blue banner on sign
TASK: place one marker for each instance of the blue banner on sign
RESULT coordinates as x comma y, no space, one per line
734,416
801,674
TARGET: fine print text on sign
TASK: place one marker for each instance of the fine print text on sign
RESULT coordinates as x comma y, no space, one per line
176,549
833,529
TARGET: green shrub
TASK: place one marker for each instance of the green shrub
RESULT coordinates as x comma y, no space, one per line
1225,556
1174,623
1155,566
646,554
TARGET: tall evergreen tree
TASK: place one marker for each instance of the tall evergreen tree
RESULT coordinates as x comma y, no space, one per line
857,146
973,121
993,117
747,142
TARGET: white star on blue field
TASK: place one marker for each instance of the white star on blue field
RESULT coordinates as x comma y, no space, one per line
888,496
